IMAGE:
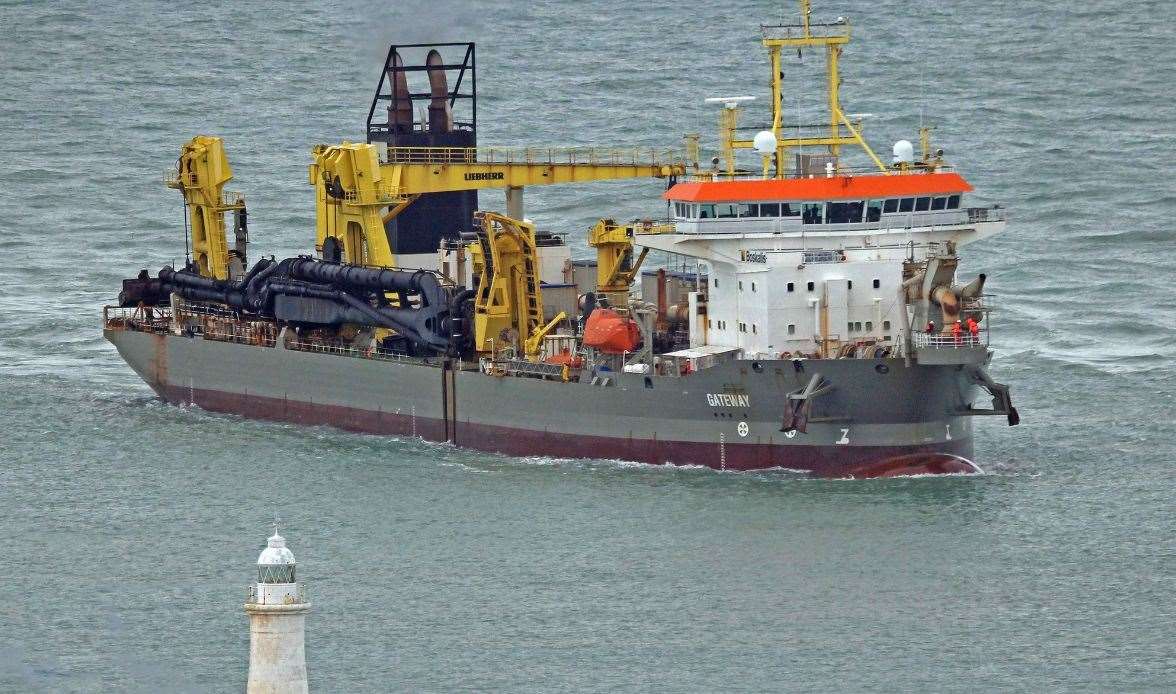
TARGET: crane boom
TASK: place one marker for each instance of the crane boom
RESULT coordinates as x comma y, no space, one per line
353,188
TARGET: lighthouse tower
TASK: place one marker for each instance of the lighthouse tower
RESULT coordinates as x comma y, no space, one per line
277,610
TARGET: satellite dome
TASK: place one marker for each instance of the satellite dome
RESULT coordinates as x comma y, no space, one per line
904,152
764,142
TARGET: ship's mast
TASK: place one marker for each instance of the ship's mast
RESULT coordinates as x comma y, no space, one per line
842,131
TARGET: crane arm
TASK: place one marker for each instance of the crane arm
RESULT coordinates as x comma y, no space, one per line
200,175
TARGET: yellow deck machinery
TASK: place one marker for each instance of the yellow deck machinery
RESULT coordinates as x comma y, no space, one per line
200,175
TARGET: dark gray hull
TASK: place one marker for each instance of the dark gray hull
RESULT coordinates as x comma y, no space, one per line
881,416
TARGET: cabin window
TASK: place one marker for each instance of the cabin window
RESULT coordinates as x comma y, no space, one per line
890,206
791,329
849,284
886,325
709,323
753,328
843,212
873,210
810,286
953,202
939,203
922,204
726,210
740,285
857,326
789,210
849,327
813,212
906,204
716,282
769,209
753,286
706,211
869,326
877,284
791,287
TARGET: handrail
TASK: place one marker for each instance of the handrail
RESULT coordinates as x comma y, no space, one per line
548,156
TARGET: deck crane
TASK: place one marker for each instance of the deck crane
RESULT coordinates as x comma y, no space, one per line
356,194
201,173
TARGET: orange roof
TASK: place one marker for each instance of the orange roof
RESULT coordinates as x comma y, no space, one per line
835,188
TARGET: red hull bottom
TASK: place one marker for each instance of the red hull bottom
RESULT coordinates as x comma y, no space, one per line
823,461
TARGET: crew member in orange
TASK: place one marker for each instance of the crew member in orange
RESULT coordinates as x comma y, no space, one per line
973,328
957,331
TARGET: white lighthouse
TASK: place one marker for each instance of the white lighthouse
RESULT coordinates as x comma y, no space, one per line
277,610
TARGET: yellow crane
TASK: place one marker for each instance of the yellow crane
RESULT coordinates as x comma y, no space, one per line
356,192
200,175
508,303
615,266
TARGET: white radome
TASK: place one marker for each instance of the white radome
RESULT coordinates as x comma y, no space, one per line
904,152
275,553
764,142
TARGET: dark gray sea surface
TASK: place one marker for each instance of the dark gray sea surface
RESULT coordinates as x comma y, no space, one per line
129,528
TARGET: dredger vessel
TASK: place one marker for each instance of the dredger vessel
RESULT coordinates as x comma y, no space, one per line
804,312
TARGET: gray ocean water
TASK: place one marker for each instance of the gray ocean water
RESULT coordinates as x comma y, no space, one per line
128,528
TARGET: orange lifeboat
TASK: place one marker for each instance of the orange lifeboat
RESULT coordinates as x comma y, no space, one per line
611,332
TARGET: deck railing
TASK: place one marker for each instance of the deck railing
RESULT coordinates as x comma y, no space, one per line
603,156
949,341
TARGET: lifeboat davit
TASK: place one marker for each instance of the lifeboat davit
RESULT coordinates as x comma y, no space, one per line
611,332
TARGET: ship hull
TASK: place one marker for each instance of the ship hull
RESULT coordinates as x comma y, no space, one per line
881,418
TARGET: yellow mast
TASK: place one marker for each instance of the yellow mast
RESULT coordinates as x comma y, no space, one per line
832,37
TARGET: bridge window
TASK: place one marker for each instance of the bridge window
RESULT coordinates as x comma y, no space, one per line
769,209
791,329
939,203
706,211
753,286
886,325
922,204
726,210
869,326
849,284
873,210
890,206
791,287
813,212
740,285
906,204
877,283
749,209
843,212
811,286
716,283
953,202
789,209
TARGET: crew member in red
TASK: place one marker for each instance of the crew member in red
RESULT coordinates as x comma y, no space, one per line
930,327
973,328
957,330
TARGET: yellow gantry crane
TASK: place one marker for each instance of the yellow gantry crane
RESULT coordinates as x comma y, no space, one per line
356,192
508,303
200,175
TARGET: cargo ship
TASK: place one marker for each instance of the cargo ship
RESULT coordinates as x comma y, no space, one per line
805,312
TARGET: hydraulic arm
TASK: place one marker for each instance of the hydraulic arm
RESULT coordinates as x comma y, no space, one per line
508,304
201,174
